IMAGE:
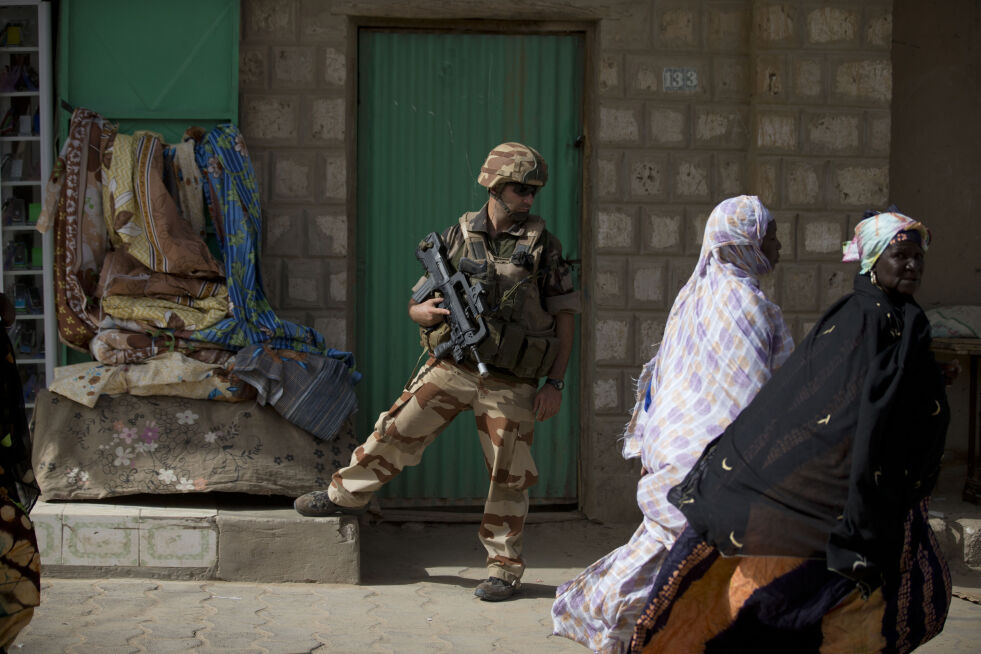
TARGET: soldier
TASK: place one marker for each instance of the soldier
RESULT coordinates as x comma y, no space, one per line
530,323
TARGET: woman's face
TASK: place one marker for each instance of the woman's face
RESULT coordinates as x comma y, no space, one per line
899,269
770,246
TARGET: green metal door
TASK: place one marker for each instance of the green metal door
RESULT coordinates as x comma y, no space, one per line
162,66
431,106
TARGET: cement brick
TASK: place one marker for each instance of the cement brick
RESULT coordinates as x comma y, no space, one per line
798,290
695,234
832,133
609,285
661,230
609,493
786,234
319,550
804,183
253,67
327,234
619,124
284,232
327,117
765,176
611,499
820,236
319,23
611,340
643,75
808,75
776,131
304,281
610,68
647,177
833,26
608,174
650,332
676,27
292,67
269,118
691,174
649,284
680,271
730,175
770,77
334,330
878,27
293,175
776,24
867,81
273,278
727,28
606,392
837,280
730,77
335,67
721,127
269,19
879,133
668,125
627,26
861,186
335,177
338,287
616,228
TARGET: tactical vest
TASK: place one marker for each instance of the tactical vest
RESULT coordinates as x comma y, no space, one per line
521,333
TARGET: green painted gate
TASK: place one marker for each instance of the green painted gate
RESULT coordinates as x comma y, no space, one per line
162,66
431,106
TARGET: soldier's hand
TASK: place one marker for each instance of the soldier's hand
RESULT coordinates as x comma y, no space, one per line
426,313
548,399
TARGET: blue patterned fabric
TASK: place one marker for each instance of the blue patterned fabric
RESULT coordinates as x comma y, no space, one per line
232,192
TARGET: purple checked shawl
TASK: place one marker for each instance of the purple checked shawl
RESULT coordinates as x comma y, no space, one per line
722,339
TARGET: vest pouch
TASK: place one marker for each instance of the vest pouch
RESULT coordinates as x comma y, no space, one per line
537,357
430,338
512,307
510,350
489,346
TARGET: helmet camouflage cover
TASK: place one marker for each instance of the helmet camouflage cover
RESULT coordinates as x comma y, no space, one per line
513,162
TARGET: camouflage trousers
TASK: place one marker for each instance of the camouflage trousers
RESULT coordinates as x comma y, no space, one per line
505,425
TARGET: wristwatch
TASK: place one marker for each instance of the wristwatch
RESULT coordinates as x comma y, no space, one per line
557,383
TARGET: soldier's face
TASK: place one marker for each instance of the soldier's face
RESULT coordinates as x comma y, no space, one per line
519,197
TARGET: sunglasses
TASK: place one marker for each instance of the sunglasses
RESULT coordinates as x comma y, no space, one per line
523,189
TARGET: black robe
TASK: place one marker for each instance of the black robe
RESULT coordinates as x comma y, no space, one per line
835,449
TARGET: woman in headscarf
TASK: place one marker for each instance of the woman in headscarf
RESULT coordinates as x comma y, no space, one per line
20,564
722,339
807,518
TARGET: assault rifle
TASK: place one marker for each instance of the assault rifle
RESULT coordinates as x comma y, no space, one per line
464,300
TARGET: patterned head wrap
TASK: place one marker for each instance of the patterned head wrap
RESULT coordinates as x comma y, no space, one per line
734,233
874,234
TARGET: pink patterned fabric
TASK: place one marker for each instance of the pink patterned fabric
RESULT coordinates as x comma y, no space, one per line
873,235
721,342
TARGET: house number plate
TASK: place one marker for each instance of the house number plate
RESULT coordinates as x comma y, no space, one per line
680,79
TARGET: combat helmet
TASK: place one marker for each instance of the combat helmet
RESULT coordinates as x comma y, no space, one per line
513,162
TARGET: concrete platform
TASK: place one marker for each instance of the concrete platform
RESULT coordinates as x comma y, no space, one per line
204,538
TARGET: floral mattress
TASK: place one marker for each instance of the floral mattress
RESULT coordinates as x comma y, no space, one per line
128,445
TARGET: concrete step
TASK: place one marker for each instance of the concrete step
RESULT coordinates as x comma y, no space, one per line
204,537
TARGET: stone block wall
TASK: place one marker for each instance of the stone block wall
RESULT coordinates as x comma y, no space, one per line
687,103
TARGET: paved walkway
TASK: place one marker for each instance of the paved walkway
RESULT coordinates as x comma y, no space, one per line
416,596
